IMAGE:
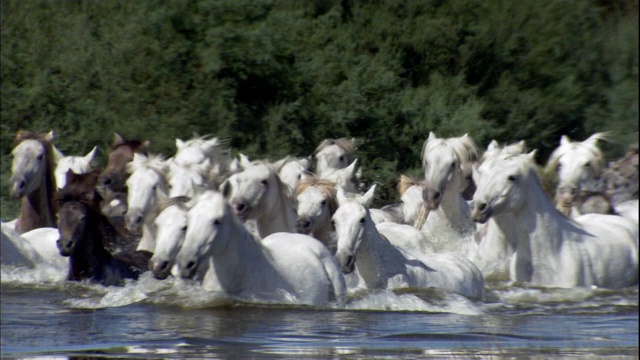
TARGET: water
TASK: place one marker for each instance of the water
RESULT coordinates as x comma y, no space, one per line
43,316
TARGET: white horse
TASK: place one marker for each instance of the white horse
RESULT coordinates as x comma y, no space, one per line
171,228
553,250
316,200
77,164
208,155
333,154
345,177
408,209
447,164
496,248
292,171
383,265
283,267
33,181
146,187
578,165
257,193
186,180
34,248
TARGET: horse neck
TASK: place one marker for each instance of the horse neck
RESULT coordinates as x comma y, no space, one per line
540,227
453,208
242,255
36,208
281,217
90,257
372,244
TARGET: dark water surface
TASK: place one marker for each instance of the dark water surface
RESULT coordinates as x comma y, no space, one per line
46,317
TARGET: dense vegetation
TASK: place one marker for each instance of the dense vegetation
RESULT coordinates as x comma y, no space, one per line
277,77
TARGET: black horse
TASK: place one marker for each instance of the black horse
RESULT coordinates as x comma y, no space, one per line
84,232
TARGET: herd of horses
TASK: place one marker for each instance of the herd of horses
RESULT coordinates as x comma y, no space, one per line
300,230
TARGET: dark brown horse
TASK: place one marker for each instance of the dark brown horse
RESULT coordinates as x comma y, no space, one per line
114,176
85,234
33,181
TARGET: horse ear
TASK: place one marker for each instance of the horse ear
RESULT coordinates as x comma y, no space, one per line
146,144
352,167
593,139
57,154
49,137
244,161
493,145
475,172
521,146
341,195
90,155
367,198
532,155
280,163
564,140
118,139
432,136
234,166
179,144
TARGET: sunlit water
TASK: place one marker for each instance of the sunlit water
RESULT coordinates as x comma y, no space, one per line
45,316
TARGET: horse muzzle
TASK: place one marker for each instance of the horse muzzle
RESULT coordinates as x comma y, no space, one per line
431,198
347,262
481,212
303,226
133,221
65,247
161,269
18,188
189,270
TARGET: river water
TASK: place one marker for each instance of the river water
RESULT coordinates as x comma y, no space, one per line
44,316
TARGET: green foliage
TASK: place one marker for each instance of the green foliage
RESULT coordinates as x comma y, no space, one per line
277,77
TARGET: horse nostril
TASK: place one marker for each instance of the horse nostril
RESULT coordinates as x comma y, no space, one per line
163,265
21,184
106,181
350,261
191,264
138,219
240,208
482,207
436,195
304,223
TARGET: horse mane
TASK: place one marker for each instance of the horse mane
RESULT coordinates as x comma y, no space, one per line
405,182
326,186
180,201
463,147
590,145
346,144
155,162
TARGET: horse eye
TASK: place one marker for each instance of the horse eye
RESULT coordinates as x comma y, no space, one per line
264,182
362,220
586,165
184,228
453,164
216,222
323,203
341,158
511,178
39,157
299,176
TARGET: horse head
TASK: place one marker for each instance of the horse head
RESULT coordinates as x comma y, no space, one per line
351,220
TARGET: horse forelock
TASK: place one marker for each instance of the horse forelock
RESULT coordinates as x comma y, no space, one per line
327,187
81,188
346,144
464,149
